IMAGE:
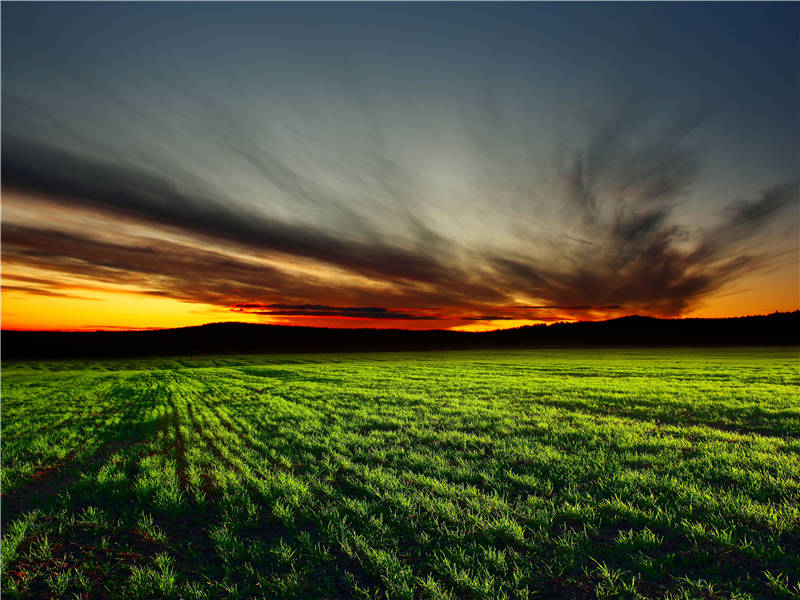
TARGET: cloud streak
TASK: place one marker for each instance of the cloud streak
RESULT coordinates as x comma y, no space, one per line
154,198
321,310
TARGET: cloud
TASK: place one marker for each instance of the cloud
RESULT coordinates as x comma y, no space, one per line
158,267
319,310
616,245
171,201
486,318
624,248
42,292
573,307
195,274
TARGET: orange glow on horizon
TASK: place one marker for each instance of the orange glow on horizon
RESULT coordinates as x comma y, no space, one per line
777,290
105,310
119,309
494,325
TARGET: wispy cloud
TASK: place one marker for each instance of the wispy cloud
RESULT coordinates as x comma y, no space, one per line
42,292
624,248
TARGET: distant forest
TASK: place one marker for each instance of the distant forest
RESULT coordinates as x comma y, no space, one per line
778,329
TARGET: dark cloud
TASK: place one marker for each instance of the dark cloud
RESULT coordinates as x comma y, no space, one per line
570,307
744,220
120,327
620,195
486,318
160,200
157,266
41,281
319,310
189,273
620,164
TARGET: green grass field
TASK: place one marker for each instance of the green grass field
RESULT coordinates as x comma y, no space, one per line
506,474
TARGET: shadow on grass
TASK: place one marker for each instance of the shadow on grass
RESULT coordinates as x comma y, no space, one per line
50,481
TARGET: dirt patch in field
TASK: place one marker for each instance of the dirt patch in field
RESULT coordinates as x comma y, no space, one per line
100,559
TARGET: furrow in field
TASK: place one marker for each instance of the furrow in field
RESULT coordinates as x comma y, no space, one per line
216,447
242,433
77,442
341,457
229,446
54,481
49,482
180,448
354,481
263,490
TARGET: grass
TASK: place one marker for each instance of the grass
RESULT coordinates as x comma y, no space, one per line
519,474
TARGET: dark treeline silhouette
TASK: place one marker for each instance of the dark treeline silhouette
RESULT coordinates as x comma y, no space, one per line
778,329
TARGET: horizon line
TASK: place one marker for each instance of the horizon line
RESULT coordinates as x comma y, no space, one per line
120,329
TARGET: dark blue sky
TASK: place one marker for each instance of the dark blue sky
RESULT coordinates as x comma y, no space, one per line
424,126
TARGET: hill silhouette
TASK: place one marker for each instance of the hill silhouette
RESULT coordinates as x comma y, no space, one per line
776,329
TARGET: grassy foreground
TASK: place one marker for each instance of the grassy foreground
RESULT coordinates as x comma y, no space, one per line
520,474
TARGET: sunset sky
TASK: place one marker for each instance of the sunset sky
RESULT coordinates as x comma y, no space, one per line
427,165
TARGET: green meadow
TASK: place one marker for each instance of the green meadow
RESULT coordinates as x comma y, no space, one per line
636,473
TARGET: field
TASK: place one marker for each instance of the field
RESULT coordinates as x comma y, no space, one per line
519,474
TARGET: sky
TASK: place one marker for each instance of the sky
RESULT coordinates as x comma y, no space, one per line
466,166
